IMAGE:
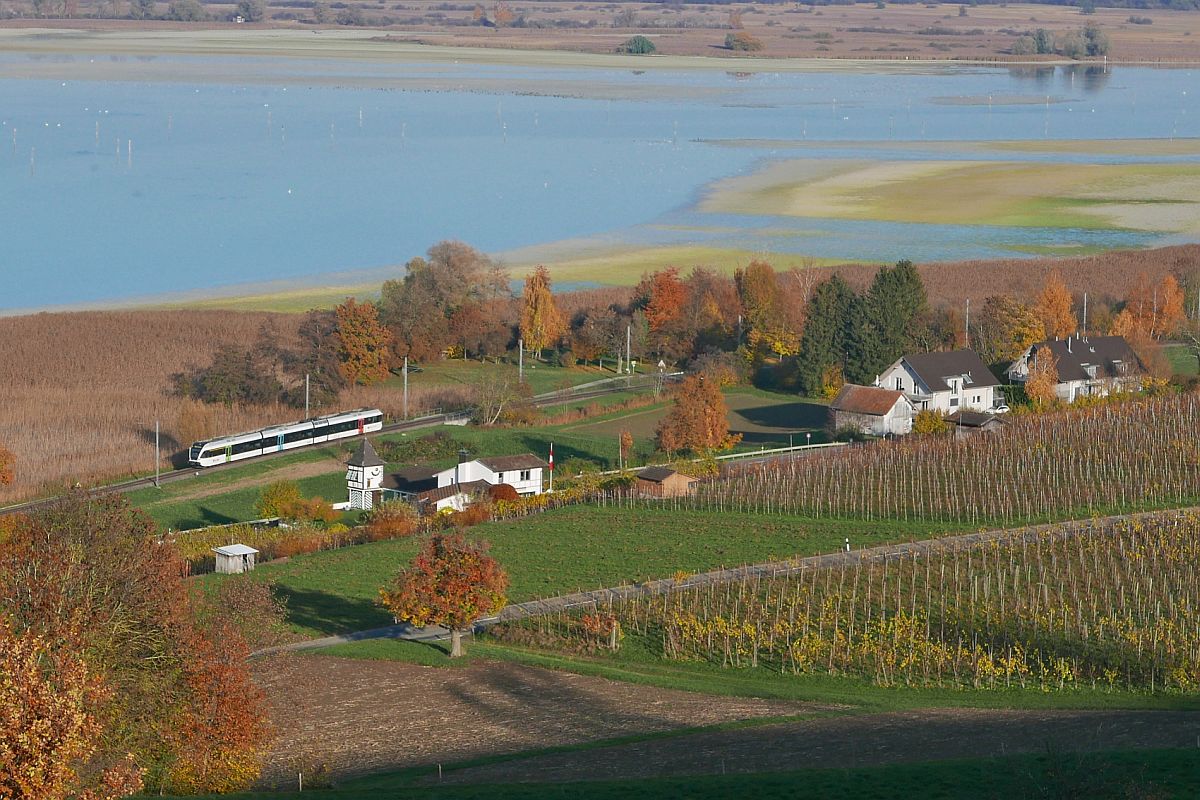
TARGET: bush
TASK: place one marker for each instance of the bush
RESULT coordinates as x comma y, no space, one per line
849,433
930,423
392,519
276,498
427,448
742,41
638,45
1135,20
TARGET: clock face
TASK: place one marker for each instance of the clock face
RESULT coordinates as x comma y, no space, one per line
376,472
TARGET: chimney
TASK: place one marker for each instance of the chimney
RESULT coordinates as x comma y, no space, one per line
463,457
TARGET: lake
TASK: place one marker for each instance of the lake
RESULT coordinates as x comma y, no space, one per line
113,189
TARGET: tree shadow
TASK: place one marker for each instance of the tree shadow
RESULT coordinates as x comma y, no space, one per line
330,613
204,517
787,416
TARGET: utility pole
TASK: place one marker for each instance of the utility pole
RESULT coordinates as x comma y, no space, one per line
967,326
1084,328
306,395
406,387
520,360
157,458
628,334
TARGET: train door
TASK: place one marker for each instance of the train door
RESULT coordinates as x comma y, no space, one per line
279,441
228,453
361,420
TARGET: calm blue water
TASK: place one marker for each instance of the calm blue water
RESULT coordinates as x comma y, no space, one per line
229,184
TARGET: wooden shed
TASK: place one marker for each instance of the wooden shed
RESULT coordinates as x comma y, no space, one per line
664,482
235,558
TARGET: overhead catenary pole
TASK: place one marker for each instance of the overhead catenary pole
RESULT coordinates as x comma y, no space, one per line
520,360
406,387
306,416
967,326
157,456
1084,326
628,335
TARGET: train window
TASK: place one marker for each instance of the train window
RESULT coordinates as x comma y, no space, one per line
298,436
246,447
321,431
374,419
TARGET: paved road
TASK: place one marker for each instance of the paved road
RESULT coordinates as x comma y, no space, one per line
431,421
773,569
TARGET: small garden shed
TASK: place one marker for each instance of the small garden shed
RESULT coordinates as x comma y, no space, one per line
235,558
664,482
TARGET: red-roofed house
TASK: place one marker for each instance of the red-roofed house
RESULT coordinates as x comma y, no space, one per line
872,410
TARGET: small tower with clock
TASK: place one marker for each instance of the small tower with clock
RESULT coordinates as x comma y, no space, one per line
364,476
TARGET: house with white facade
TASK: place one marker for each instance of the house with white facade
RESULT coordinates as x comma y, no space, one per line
1086,365
872,410
434,489
945,382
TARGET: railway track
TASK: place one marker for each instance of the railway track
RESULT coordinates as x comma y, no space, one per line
420,423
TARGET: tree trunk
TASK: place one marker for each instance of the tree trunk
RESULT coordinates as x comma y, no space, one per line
455,643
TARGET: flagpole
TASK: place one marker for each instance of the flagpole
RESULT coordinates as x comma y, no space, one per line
552,468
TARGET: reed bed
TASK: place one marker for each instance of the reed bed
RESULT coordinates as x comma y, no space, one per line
80,392
1102,607
1107,459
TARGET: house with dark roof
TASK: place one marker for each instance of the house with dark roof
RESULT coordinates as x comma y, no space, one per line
663,482
872,410
1087,365
945,382
435,488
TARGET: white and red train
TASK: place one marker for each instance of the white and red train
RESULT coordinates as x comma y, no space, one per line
285,437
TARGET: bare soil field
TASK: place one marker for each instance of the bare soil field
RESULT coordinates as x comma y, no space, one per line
357,716
853,741
916,32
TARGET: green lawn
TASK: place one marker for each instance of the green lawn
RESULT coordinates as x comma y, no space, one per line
1096,776
580,547
540,376
1182,359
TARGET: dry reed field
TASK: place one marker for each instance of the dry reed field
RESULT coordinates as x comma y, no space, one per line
80,392
1106,607
1107,459
1106,277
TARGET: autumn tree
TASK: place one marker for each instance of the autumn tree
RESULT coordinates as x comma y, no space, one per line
1007,328
362,343
928,422
496,396
502,15
417,309
88,577
1054,308
7,466
49,725
1042,385
1156,310
392,519
542,324
450,583
277,499
765,318
625,447
317,357
698,422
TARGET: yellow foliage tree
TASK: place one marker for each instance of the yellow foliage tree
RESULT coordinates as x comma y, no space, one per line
699,420
1043,379
363,343
928,422
1054,307
832,381
542,324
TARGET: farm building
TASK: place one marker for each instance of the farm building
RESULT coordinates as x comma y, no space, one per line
234,558
664,482
872,410
969,423
1087,365
944,382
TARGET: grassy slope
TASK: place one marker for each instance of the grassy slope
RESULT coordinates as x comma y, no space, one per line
1173,773
570,549
1182,359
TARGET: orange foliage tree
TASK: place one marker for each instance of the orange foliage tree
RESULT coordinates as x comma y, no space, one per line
1155,310
88,577
698,422
502,15
363,343
542,324
49,726
392,519
664,295
1043,379
1054,308
451,582
7,472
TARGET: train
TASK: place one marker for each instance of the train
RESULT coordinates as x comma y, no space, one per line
285,437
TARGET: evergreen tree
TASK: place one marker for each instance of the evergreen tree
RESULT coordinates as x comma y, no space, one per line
862,353
823,344
896,308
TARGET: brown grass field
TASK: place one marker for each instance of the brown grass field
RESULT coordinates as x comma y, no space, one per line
929,31
80,392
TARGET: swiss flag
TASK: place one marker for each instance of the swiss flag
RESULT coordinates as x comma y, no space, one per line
552,456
